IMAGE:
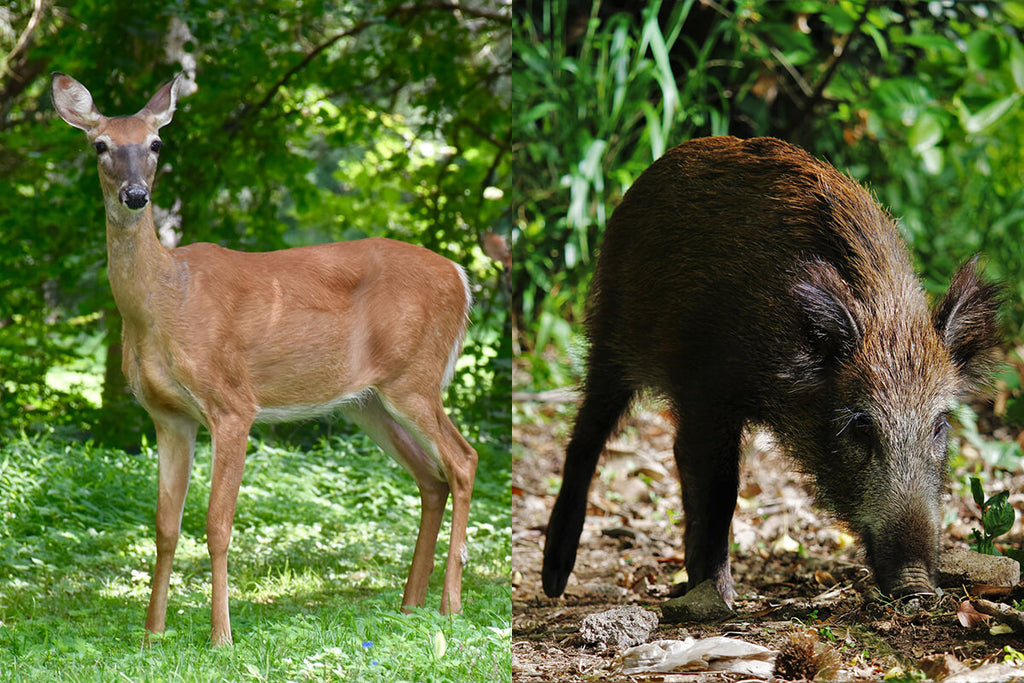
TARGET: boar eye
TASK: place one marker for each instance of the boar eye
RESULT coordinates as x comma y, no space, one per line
861,428
941,428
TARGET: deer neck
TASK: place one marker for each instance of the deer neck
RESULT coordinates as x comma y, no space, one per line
138,265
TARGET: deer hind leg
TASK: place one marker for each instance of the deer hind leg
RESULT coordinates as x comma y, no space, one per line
441,462
176,440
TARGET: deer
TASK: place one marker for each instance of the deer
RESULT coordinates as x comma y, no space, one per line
223,339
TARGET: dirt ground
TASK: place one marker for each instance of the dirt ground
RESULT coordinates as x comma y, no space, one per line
799,574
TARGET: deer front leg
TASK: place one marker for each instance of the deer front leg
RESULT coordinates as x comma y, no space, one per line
176,442
229,442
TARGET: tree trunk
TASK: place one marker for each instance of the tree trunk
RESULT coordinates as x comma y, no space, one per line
123,420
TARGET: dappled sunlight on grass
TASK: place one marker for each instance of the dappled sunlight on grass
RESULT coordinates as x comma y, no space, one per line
319,556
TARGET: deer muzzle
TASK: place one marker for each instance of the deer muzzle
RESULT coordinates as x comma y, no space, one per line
135,197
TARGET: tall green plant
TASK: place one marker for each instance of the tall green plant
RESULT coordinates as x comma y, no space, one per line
595,109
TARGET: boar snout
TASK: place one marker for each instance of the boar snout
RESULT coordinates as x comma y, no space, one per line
914,580
904,554
911,579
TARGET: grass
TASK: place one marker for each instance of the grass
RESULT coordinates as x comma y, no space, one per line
321,547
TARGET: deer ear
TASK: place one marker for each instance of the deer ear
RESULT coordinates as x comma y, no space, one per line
73,102
829,313
967,321
161,106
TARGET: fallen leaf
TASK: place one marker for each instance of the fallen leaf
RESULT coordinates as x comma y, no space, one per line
680,577
970,617
824,578
786,544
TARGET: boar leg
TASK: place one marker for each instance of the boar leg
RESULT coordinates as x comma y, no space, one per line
606,398
707,455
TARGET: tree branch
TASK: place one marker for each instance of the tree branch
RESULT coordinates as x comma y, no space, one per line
819,88
234,123
24,39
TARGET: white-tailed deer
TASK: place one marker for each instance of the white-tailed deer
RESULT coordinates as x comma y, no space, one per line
371,328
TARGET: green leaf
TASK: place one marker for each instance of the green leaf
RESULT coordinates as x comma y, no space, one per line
933,159
925,133
981,544
438,644
1015,411
977,491
1017,64
998,499
1015,12
989,115
982,51
998,519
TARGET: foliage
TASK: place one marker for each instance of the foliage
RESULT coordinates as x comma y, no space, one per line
322,542
586,130
1004,455
921,101
312,122
997,517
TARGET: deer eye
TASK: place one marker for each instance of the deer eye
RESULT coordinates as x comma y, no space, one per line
101,147
156,145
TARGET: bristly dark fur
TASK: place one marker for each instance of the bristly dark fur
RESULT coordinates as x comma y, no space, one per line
748,282
967,320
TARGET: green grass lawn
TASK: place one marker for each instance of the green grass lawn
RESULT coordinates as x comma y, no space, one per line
322,542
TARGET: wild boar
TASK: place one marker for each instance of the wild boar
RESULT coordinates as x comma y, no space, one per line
750,284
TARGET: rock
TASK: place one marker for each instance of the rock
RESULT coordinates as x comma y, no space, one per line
703,603
619,627
962,566
989,673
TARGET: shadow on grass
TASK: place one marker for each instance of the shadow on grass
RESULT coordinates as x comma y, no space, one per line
322,537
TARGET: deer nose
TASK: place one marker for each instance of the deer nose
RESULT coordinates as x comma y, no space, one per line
134,197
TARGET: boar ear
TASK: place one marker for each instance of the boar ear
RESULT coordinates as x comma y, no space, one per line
829,312
966,320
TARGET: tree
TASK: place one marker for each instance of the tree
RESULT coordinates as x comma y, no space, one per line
311,122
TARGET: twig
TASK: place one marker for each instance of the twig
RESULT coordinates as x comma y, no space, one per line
819,88
1002,613
235,122
23,39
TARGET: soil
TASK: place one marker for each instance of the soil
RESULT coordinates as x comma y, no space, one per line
800,575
